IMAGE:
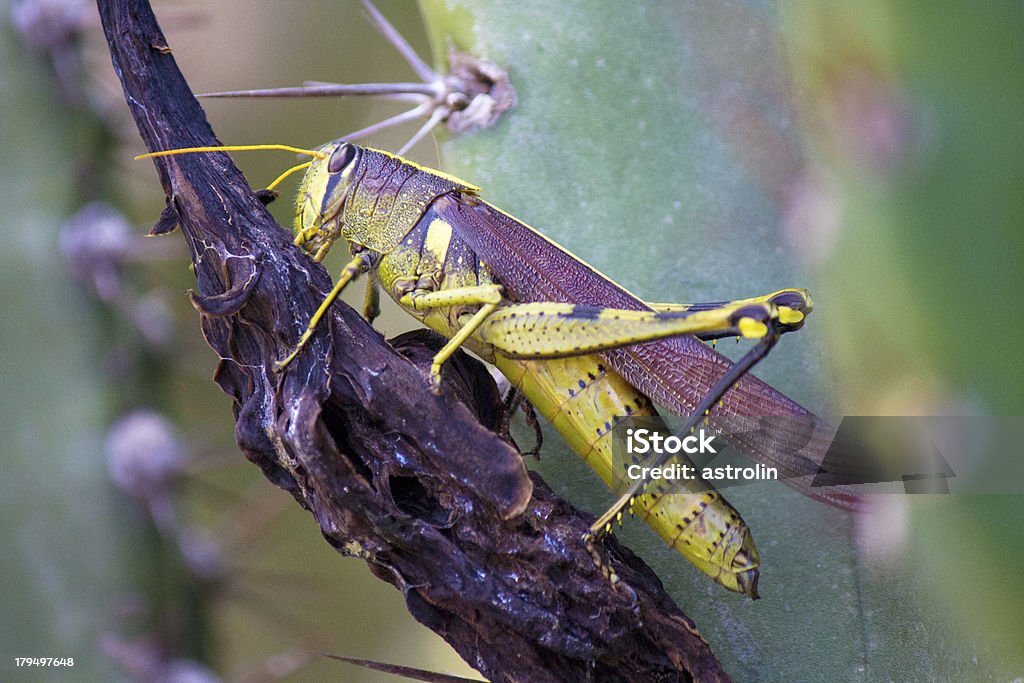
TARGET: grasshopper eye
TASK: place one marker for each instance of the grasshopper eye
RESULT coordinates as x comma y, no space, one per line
341,158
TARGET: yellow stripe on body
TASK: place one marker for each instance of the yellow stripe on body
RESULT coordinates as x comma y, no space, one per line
439,236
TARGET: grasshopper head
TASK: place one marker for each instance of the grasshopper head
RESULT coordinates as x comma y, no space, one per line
322,195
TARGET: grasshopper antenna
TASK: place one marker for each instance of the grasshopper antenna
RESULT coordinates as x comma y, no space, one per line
471,96
315,153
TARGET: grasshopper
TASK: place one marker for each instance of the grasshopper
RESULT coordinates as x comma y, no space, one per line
582,350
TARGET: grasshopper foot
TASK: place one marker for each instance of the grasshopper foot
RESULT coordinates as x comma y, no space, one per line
590,541
280,365
434,379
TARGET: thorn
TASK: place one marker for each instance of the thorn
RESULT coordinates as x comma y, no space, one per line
421,68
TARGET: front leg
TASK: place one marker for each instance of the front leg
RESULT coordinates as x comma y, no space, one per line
371,301
360,264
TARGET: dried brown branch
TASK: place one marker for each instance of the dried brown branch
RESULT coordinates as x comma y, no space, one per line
438,505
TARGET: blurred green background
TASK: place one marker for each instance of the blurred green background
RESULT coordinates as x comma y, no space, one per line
870,151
